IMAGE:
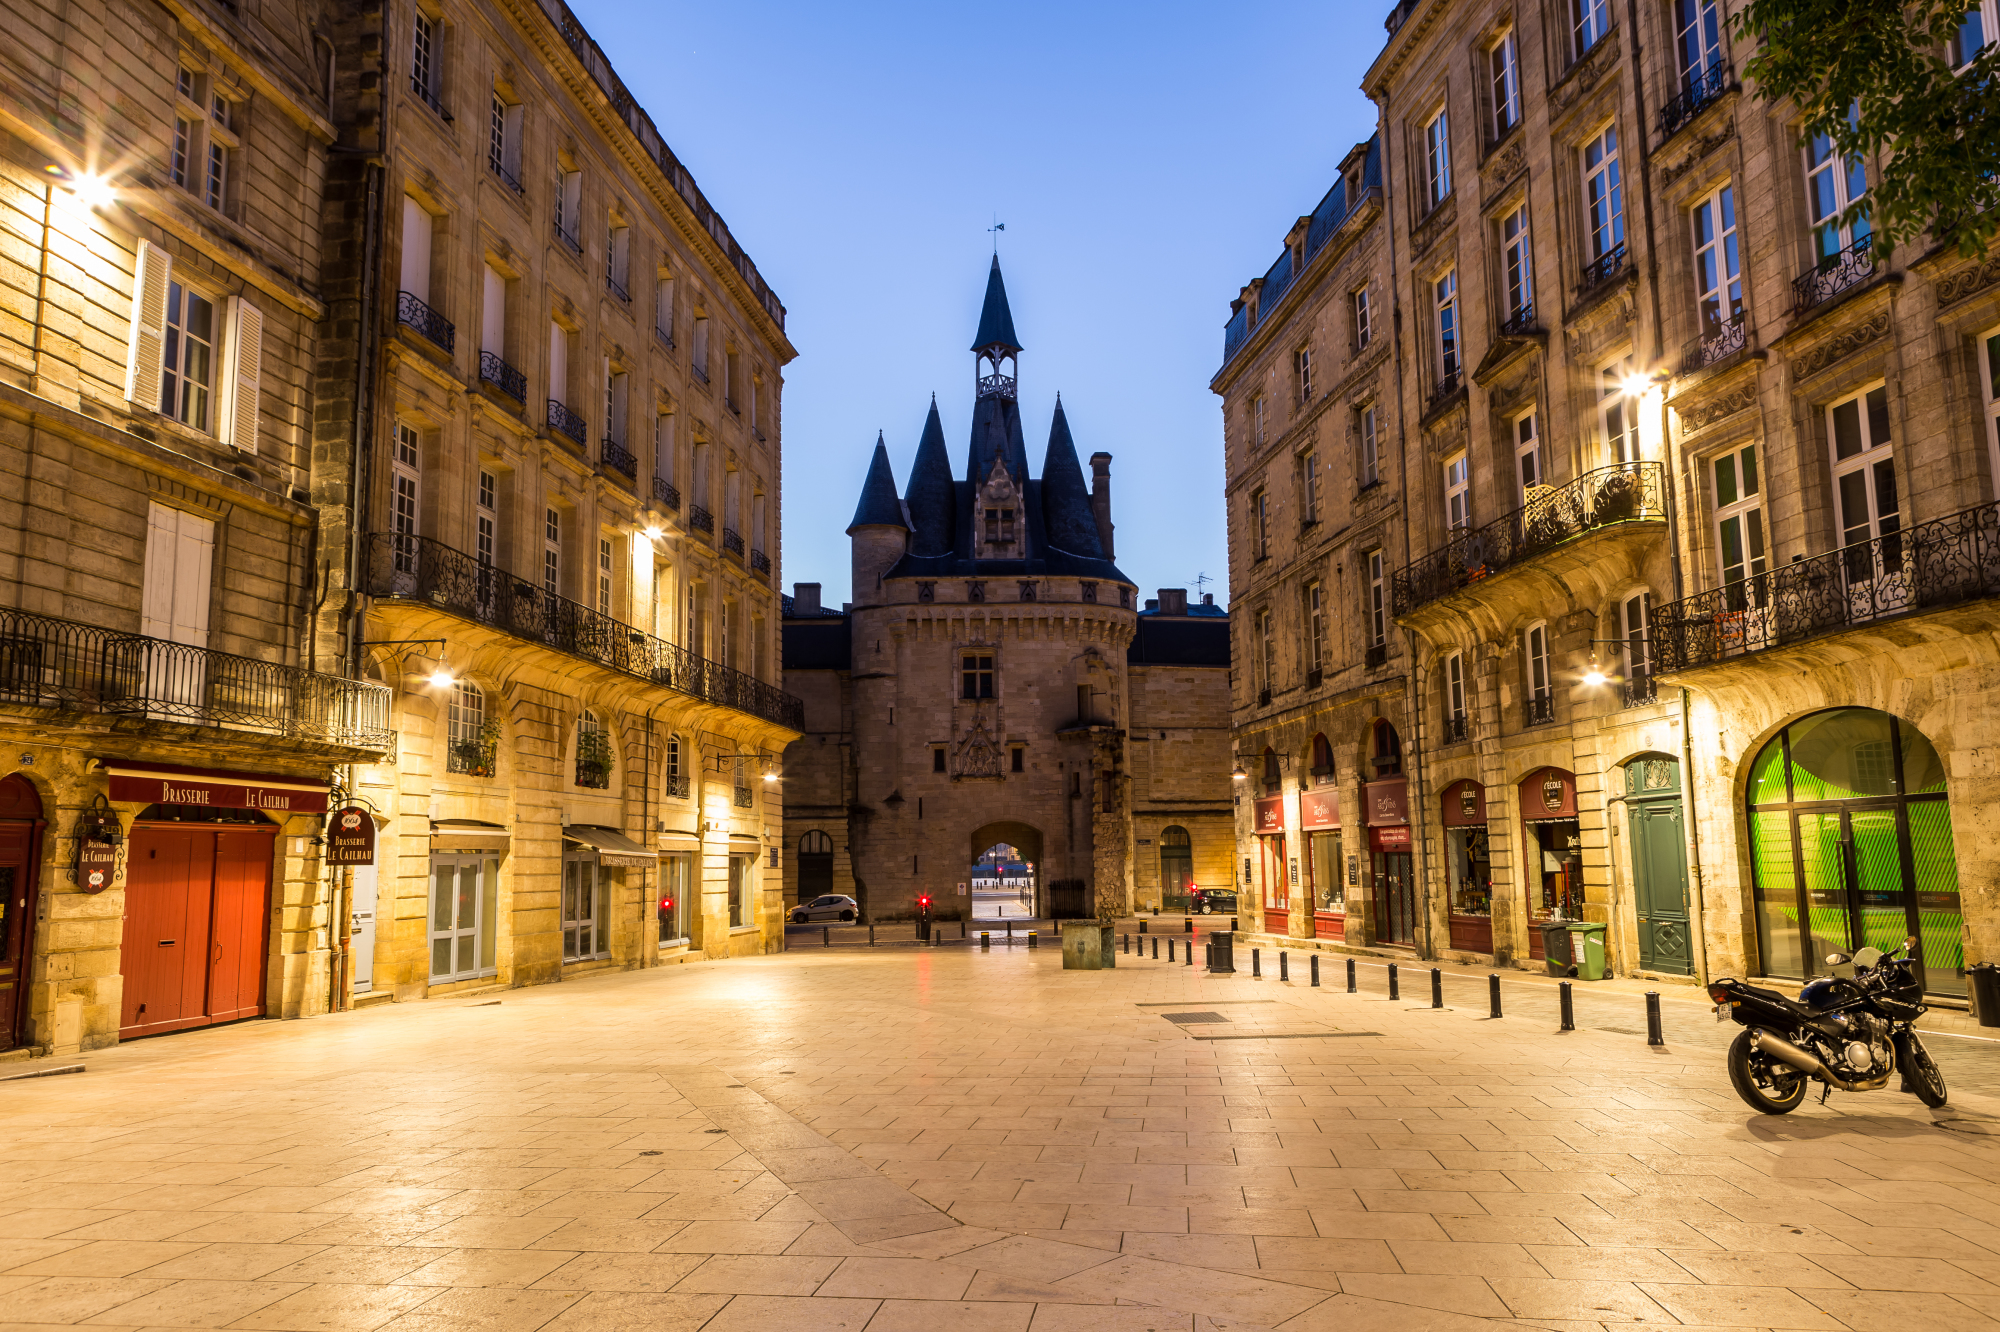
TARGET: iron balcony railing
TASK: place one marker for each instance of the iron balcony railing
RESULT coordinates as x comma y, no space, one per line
700,519
665,336
503,376
429,573
619,459
1944,562
730,403
569,240
1703,88
566,422
732,541
675,787
1453,730
1604,267
429,98
1520,322
665,492
1539,710
1376,655
759,561
51,663
1620,493
1716,344
1849,266
617,288
473,757
412,310
1447,387
1638,689
508,178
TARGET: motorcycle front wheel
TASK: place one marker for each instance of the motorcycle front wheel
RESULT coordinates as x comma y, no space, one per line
1921,1077
1764,1084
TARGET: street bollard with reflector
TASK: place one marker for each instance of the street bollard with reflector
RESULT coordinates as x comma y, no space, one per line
1034,939
1351,987
1256,964
1395,990
986,941
1284,966
1568,1009
1654,1036
1315,971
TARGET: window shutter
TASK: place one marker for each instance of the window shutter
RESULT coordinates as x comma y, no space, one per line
150,270
156,605
245,352
180,550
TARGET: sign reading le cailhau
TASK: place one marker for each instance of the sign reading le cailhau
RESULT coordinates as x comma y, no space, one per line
350,837
142,784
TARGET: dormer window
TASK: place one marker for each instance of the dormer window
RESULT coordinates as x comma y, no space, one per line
999,527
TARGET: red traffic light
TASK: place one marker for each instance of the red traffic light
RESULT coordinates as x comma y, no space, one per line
666,904
924,901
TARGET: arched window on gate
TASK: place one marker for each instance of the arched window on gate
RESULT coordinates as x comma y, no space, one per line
1322,761
1387,747
1274,780
815,865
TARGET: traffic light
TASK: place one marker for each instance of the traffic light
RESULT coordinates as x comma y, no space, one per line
924,902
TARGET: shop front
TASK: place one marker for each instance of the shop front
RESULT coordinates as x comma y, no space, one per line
1273,887
1851,846
1386,805
1552,852
594,861
679,854
466,855
1319,823
198,875
1468,869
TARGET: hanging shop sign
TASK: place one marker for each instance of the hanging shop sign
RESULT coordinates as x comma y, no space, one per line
158,784
96,866
1270,814
350,837
1386,801
1319,809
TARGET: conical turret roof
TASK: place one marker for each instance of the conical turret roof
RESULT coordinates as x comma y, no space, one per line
996,321
1066,512
932,499
879,506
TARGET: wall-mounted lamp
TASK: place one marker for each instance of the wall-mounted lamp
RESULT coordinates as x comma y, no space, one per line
1239,775
440,677
87,187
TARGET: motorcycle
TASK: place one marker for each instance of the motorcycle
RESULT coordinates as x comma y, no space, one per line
1852,1033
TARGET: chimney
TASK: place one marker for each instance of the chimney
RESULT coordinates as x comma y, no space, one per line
1173,601
805,598
1153,604
1208,598
1100,499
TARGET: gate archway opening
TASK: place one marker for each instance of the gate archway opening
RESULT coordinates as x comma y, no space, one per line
1005,871
1851,846
815,866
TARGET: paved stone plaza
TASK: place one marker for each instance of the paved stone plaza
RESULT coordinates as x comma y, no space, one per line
916,1140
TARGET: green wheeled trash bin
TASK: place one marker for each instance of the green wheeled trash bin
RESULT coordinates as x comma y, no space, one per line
1555,946
1982,984
1586,947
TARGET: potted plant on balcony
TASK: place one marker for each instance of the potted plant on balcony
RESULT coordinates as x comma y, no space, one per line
593,759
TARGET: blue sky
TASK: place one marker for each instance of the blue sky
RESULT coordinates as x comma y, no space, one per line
1147,160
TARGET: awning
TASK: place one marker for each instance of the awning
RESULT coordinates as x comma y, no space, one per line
679,841
469,835
613,848
165,784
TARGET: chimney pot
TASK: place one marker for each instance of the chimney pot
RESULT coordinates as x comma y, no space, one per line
805,598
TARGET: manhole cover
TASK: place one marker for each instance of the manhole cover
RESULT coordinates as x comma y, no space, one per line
1986,1128
1185,1018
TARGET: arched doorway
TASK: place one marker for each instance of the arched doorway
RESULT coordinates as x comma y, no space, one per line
20,853
1552,851
1176,868
1851,846
1659,864
1005,871
197,903
815,866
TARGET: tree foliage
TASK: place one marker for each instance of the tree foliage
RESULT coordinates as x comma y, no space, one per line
1877,79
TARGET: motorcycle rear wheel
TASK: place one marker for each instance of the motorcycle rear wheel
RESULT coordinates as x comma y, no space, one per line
1764,1084
1921,1077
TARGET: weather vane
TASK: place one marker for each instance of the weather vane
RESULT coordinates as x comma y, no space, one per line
995,230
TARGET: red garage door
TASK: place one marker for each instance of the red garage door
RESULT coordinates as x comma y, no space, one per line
196,902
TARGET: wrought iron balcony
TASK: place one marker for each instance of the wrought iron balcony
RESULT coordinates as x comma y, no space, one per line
62,664
1446,387
700,519
675,787
503,376
1620,493
429,573
619,459
507,178
1638,689
1844,268
617,288
700,371
1377,655
1604,267
1703,89
412,311
574,245
744,796
428,98
1944,562
1520,323
1539,710
665,336
757,433
472,757
732,541
730,403
1717,344
566,422
665,492
760,562
1453,730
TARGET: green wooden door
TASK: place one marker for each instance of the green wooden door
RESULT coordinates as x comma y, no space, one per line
1660,886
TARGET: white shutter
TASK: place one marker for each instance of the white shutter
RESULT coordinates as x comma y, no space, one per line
243,362
416,250
493,315
150,270
180,552
156,604
558,363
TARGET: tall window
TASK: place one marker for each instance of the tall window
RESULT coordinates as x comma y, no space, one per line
1257,420
975,676
486,534
1832,184
1309,479
1739,524
586,884
1981,25
742,877
469,751
1864,483
1378,601
593,752
1615,414
1363,329
1315,626
1457,492
503,143
464,917
1267,651
1589,20
187,378
1444,297
426,67
1437,160
1637,647
1517,266
1718,273
552,552
1541,685
618,260
1527,454
405,481
569,208
1302,373
1505,79
1371,471
1698,39
1604,197
1260,523
698,355
1989,389
673,908
663,307
603,576
204,138
1454,696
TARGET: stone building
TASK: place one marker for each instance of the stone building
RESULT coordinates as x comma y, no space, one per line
550,454
993,685
165,748
1698,499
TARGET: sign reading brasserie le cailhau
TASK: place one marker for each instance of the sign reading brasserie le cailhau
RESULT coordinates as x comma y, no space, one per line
350,837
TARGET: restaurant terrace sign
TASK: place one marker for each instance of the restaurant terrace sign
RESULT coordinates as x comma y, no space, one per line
146,784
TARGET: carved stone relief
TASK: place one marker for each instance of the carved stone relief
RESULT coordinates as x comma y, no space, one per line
1700,416
1702,148
1823,354
1583,77
1955,287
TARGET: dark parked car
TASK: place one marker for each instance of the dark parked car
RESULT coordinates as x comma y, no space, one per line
1213,901
831,907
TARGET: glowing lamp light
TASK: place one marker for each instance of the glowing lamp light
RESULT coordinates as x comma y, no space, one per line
1238,775
87,187
1595,675
1637,385
442,678
770,779
654,533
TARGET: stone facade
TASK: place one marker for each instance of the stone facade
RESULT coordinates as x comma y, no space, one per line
1647,395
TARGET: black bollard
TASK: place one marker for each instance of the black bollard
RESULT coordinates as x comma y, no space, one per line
1493,991
1315,971
871,934
826,935
1653,1033
1142,924
1010,933
1156,948
986,941
1350,976
1395,988
1256,964
1187,959
1034,938
961,927
1187,925
1170,950
1437,988
1125,943
1284,966
1207,955
1568,1009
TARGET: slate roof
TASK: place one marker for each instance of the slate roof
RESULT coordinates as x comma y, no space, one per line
879,506
996,320
1174,640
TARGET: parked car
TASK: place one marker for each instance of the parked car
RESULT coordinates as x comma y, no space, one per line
831,907
1213,901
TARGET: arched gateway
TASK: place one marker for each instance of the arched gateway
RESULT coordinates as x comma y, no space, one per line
1006,864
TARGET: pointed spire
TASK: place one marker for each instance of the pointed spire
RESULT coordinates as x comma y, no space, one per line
932,499
1066,513
996,321
879,506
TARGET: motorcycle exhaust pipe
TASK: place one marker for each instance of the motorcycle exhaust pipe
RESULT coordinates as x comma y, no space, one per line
1782,1050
